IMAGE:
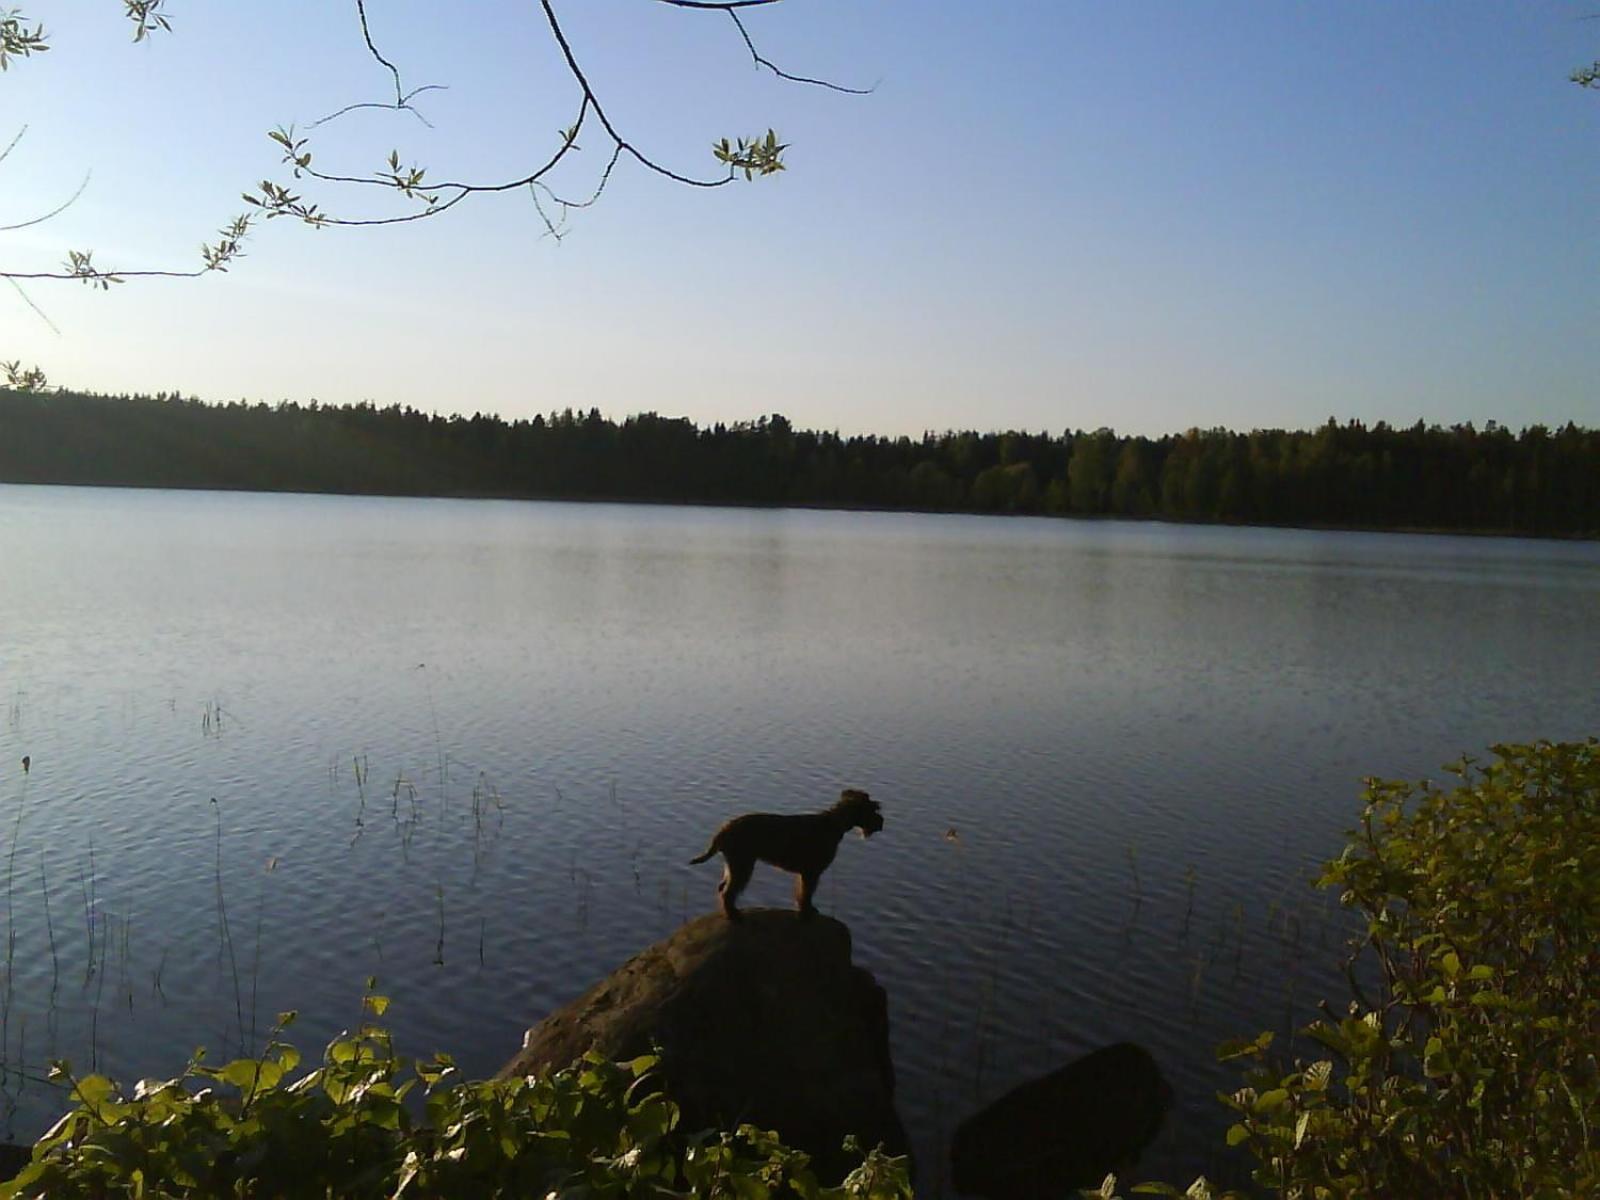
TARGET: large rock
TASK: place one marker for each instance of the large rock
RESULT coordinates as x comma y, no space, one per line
764,1020
1063,1131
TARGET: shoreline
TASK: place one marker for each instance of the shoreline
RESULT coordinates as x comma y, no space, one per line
1414,530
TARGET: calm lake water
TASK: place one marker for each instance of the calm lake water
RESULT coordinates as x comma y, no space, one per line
467,747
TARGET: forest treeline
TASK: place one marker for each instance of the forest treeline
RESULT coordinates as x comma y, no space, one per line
1538,481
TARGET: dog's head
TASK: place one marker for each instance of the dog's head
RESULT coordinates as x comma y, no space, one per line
862,810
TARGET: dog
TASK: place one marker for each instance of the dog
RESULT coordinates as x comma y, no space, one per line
803,844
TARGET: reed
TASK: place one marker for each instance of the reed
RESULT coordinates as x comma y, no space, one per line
224,933
86,885
11,920
438,741
99,992
255,958
1188,898
49,925
438,953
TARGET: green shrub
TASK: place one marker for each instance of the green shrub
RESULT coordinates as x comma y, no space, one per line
1470,1070
600,1129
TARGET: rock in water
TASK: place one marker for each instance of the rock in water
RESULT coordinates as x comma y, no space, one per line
764,1020
1064,1130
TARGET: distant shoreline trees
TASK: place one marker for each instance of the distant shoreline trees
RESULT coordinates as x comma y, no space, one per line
1539,481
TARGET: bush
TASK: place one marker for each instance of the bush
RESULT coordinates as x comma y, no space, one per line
1470,1070
345,1129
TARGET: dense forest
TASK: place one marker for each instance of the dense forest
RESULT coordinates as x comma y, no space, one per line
1539,481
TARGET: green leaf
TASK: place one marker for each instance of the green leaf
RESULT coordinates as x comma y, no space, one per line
241,1073
94,1090
1272,1101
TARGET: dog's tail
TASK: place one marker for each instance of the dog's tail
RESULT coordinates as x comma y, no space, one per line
710,850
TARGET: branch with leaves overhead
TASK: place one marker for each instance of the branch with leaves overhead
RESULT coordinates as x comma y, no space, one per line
744,157
18,40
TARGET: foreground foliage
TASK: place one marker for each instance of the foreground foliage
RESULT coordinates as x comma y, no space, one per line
1470,1069
346,1129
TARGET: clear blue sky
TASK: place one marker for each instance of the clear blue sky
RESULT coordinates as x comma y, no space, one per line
1049,215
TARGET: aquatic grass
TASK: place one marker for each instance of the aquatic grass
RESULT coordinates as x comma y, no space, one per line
116,963
127,950
224,933
586,882
49,925
438,954
664,899
11,921
1195,981
255,960
88,884
407,827
361,772
438,741
99,991
1189,876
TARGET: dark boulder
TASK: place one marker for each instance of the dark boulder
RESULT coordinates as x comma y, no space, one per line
765,1020
1064,1130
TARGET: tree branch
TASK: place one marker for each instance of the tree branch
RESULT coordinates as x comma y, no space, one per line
56,211
751,156
366,34
594,102
748,156
38,312
402,98
718,5
557,229
773,67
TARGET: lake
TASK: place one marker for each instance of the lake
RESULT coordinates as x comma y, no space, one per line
468,746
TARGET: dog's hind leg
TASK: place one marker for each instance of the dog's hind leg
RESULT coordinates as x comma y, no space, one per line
735,874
